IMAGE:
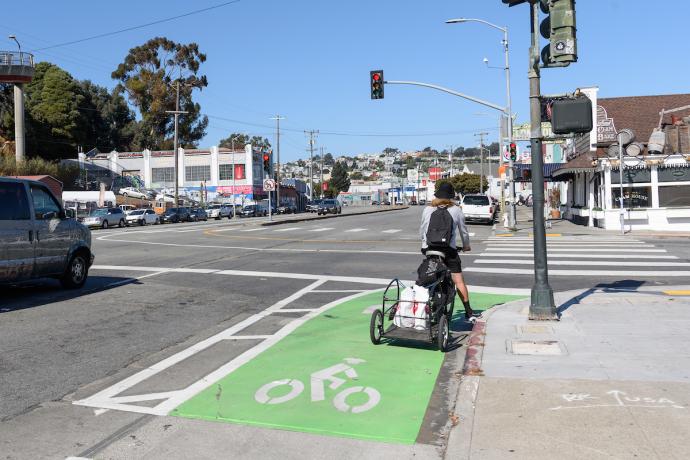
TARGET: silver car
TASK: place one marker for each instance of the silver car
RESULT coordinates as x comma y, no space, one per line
38,238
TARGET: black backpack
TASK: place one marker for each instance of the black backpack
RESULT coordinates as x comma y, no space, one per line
440,230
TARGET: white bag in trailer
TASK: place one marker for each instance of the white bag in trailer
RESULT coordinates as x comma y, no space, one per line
412,308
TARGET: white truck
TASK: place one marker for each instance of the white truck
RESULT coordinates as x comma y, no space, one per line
478,208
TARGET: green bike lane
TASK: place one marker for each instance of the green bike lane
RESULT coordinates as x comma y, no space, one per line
326,377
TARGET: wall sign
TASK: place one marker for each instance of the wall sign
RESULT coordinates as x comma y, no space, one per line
606,128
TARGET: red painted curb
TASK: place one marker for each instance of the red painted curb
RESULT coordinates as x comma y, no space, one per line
475,349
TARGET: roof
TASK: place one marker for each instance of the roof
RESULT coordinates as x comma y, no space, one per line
641,113
476,168
41,178
581,163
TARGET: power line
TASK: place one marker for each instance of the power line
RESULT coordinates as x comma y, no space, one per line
141,26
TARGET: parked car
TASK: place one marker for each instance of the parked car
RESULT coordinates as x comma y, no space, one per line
165,198
106,217
142,217
218,211
39,238
287,209
132,192
374,203
313,206
330,207
175,215
478,208
197,214
253,210
422,202
386,202
127,208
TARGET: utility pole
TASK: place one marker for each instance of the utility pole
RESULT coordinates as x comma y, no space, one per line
311,133
450,157
176,112
542,306
321,172
481,160
277,118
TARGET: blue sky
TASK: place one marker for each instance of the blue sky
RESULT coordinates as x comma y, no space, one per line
309,61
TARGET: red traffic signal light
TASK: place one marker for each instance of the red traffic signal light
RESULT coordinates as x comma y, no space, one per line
513,151
267,162
376,83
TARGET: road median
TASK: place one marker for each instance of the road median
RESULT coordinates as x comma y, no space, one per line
303,218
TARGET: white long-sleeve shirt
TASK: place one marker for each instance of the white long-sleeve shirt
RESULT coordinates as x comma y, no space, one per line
459,227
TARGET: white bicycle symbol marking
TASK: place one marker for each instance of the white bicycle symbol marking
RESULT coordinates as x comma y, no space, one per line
318,388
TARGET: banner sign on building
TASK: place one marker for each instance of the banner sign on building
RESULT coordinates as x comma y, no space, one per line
412,175
606,128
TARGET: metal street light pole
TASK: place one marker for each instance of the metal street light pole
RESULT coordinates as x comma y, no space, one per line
509,109
542,306
277,118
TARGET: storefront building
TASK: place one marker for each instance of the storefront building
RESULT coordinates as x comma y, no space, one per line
656,183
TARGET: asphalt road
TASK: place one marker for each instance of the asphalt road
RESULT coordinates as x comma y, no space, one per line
159,290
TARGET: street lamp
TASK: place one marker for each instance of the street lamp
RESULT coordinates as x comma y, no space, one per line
14,37
509,109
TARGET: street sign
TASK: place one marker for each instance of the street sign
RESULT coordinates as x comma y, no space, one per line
269,185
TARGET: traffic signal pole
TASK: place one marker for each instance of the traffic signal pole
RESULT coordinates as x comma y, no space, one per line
542,305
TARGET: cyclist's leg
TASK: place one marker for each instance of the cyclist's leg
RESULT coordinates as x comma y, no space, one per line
455,267
460,286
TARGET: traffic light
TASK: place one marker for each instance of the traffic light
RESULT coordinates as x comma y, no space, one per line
267,162
513,151
376,80
560,29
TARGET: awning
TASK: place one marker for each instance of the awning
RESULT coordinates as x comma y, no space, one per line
523,172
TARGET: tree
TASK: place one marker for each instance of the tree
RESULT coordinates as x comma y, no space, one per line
356,176
390,150
148,76
109,122
328,159
467,183
339,179
239,140
301,163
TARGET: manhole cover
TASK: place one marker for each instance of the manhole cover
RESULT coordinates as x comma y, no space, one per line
535,347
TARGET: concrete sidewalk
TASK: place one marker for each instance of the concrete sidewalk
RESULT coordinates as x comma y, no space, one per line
611,379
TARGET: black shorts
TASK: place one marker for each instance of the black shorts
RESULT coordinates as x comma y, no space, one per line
452,259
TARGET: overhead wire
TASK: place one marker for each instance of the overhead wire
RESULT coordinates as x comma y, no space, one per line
140,26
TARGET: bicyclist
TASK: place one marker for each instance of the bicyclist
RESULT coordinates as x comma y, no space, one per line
444,200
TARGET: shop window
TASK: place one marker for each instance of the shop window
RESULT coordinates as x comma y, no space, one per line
225,172
674,196
162,175
633,197
632,176
674,174
197,173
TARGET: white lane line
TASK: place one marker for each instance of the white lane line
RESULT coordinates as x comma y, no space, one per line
392,230
615,246
253,229
290,229
247,337
355,230
578,250
335,290
322,229
202,271
108,399
577,256
577,263
626,273
305,276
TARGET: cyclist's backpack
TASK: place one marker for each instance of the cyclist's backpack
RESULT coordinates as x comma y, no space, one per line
440,230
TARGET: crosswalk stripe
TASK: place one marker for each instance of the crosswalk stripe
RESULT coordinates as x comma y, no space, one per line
576,250
592,263
627,273
575,256
393,230
355,230
290,229
322,229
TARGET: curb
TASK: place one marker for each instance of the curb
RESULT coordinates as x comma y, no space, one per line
305,219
